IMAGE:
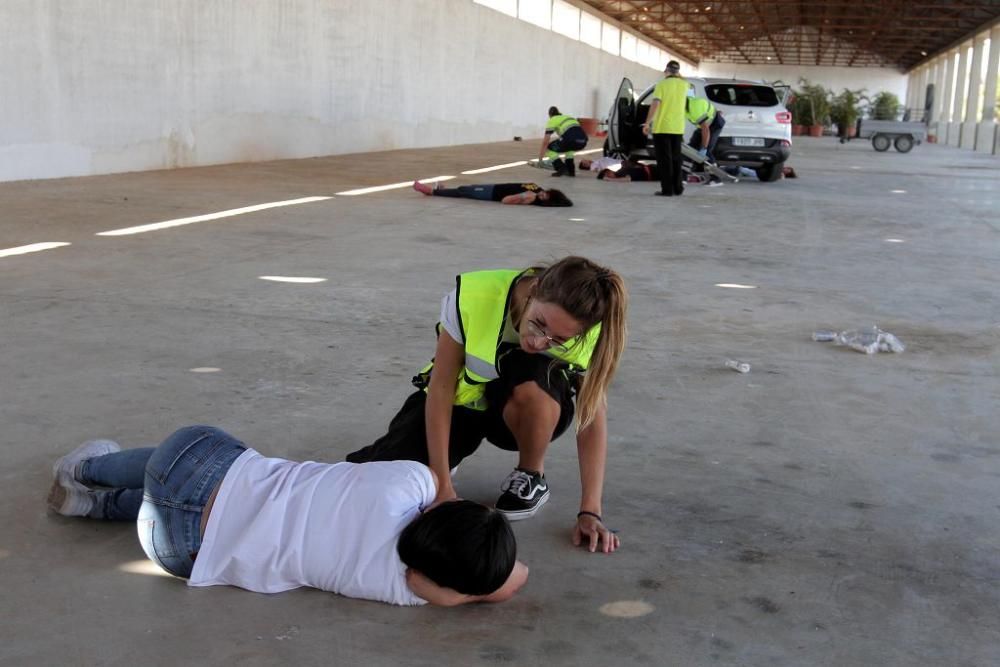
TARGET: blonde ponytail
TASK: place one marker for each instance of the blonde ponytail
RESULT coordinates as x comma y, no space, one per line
590,294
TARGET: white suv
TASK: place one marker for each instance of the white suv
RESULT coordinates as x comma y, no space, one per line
757,134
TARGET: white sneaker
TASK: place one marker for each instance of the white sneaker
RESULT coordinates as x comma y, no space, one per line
64,468
70,502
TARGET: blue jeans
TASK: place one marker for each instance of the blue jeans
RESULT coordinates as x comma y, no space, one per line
714,129
164,490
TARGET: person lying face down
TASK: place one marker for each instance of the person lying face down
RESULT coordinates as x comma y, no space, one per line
213,511
505,193
602,163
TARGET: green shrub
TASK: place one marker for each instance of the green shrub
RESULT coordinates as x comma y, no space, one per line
844,108
811,104
885,106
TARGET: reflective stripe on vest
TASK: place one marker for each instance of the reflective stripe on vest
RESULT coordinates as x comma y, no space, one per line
563,123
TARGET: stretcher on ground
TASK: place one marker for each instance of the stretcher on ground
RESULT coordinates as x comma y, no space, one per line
695,157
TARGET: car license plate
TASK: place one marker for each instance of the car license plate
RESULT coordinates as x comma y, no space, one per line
748,141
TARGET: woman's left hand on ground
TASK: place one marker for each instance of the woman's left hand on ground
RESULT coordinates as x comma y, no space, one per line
598,536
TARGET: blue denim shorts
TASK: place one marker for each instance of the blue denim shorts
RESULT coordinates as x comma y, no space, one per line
180,477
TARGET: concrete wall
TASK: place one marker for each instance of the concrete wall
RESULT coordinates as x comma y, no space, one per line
104,86
872,79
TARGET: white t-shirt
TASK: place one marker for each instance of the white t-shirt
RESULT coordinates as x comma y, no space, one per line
278,525
612,163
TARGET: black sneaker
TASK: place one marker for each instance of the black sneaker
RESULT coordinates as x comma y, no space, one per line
524,492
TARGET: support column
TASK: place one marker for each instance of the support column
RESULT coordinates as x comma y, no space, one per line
920,101
936,76
961,78
971,120
911,90
944,121
986,135
940,76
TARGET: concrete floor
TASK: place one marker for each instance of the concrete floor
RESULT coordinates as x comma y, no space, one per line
827,509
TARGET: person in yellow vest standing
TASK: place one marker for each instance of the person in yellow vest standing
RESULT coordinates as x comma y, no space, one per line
666,120
513,349
571,139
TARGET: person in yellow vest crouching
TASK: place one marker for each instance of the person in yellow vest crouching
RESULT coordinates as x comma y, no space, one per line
571,139
514,347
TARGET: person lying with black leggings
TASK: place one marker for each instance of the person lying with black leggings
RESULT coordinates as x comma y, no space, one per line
505,193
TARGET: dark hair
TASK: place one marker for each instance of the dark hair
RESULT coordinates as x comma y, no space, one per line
553,111
555,198
460,545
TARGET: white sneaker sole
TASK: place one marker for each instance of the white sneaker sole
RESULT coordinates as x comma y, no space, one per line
69,501
517,515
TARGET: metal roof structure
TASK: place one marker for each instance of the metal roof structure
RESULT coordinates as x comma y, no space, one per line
853,33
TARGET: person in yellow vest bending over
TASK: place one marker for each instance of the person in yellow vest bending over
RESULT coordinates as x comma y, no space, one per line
571,139
666,120
708,122
514,346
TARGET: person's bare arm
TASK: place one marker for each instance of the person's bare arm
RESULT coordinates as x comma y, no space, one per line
517,579
650,115
545,144
522,198
449,358
441,596
706,134
592,450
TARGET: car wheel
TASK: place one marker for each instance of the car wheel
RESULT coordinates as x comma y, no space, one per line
881,143
770,173
904,143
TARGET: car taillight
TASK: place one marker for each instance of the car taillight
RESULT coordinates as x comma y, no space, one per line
783,116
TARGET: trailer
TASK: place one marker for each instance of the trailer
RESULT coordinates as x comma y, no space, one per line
884,133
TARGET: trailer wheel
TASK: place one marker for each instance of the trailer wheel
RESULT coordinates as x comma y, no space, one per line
881,143
904,143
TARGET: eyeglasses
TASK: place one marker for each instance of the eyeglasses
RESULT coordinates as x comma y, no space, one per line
536,331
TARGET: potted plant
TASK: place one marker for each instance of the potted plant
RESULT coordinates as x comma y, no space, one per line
885,106
815,98
844,111
792,104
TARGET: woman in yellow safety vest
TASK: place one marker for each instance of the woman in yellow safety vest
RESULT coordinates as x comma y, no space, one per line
514,347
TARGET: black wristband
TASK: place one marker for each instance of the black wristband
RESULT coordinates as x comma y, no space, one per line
593,514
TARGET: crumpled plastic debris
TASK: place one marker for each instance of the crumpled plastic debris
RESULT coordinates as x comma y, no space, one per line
738,366
865,339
